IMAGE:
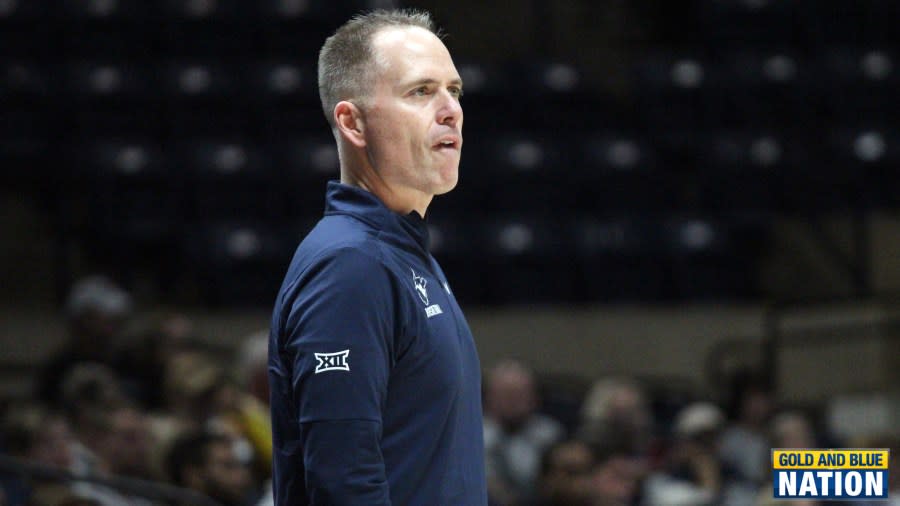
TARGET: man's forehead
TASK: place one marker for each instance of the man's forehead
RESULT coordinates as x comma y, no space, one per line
408,44
410,38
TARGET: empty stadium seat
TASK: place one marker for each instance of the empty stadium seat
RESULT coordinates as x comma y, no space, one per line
111,12
109,81
528,259
618,259
710,258
862,84
773,87
23,80
871,155
451,242
237,263
674,91
750,22
230,179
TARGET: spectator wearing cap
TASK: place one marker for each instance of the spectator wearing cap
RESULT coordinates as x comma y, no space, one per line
96,310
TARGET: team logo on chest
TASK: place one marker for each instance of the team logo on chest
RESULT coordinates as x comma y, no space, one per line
420,284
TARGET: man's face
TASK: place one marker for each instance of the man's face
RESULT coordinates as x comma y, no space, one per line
413,117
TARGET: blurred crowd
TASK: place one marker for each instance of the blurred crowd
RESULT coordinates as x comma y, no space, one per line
129,395
133,396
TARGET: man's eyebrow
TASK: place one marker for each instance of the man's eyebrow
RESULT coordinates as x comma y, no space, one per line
427,80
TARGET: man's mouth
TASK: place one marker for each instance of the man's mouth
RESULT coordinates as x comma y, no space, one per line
448,142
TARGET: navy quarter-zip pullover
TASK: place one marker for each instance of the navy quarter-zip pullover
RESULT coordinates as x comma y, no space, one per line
375,379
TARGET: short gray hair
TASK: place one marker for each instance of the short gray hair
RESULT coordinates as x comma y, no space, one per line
345,61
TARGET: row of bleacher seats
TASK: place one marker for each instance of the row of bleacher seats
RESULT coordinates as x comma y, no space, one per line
141,11
720,20
269,99
185,138
138,180
501,259
539,154
866,67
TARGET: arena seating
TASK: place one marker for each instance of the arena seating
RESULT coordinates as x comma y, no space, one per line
181,127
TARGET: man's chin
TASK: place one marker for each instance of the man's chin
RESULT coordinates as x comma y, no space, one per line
448,181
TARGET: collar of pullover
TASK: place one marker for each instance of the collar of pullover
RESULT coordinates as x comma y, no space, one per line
366,207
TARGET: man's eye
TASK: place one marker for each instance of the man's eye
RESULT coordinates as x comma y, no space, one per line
421,92
458,92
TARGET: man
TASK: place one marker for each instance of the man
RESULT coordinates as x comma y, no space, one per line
375,380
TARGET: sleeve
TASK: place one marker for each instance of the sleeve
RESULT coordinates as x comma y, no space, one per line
340,335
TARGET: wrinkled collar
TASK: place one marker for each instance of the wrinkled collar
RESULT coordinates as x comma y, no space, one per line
365,206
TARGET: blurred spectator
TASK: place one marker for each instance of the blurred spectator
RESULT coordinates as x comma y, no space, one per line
252,412
565,474
203,396
744,446
616,409
39,436
515,435
141,359
193,387
617,474
96,310
692,474
56,495
112,439
34,433
207,463
117,441
892,443
253,363
89,387
790,429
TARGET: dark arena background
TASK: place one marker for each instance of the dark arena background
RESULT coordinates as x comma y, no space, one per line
678,221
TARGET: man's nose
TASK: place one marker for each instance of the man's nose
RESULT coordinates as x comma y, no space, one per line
450,111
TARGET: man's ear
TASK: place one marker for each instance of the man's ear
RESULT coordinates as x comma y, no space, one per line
350,123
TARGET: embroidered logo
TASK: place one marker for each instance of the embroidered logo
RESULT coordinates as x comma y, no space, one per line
332,361
419,282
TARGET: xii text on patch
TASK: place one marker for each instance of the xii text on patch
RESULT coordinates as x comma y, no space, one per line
848,474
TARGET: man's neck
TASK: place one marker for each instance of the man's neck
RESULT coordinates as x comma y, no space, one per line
400,200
